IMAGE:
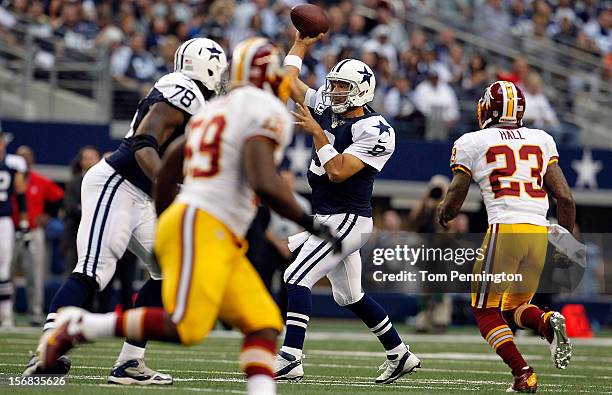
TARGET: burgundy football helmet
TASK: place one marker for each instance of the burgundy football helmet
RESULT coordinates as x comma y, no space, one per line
258,62
501,102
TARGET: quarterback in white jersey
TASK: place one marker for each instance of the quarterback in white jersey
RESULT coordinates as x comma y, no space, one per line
516,167
227,158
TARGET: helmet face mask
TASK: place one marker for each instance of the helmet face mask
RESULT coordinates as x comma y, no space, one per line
339,97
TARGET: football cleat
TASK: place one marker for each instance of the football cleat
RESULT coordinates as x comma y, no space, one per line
526,382
67,334
34,367
136,372
561,346
395,368
288,367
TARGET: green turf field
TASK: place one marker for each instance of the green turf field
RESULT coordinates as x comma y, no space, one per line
342,357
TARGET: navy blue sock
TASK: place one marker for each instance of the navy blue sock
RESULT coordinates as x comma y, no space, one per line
76,291
299,306
374,316
148,296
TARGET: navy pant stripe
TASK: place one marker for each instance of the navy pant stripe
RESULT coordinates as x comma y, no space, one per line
312,265
93,222
317,249
108,206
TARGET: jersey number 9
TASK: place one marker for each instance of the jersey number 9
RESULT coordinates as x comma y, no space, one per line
209,146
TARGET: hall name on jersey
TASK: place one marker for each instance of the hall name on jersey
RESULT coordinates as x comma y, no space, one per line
510,135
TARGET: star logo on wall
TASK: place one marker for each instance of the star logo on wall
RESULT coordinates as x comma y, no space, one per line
299,155
365,75
586,170
214,53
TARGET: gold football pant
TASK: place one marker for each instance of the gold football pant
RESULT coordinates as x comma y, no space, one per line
510,249
206,276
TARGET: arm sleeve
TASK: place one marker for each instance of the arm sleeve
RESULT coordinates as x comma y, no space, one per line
551,150
53,192
461,157
314,101
180,92
271,119
374,142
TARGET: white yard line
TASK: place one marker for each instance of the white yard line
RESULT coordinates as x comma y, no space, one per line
365,336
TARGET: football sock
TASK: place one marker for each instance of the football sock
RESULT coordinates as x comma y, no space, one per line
130,351
299,306
143,323
148,296
532,317
6,290
257,362
75,291
99,325
375,317
496,332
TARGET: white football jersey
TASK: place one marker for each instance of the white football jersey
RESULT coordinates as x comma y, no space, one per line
214,175
509,166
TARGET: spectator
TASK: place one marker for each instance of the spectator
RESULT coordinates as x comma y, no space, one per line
538,111
43,199
599,30
493,22
87,157
437,101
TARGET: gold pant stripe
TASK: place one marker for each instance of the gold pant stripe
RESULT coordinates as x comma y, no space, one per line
518,249
484,285
502,341
187,257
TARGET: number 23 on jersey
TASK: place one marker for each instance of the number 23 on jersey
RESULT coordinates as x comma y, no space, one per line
525,153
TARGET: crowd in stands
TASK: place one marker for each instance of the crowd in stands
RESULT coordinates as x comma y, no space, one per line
420,75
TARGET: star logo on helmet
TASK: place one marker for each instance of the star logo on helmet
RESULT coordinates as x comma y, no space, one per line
214,53
383,128
365,75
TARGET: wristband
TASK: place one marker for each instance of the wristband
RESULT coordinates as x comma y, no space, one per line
326,153
293,60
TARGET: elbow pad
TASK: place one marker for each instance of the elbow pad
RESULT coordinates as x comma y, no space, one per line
141,141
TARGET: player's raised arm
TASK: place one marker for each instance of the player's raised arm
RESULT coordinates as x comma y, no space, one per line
293,65
152,132
555,183
170,174
457,191
274,192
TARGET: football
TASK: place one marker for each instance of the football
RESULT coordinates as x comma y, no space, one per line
309,20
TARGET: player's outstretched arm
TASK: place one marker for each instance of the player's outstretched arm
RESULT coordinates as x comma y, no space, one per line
152,132
555,183
457,191
299,49
170,175
258,159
